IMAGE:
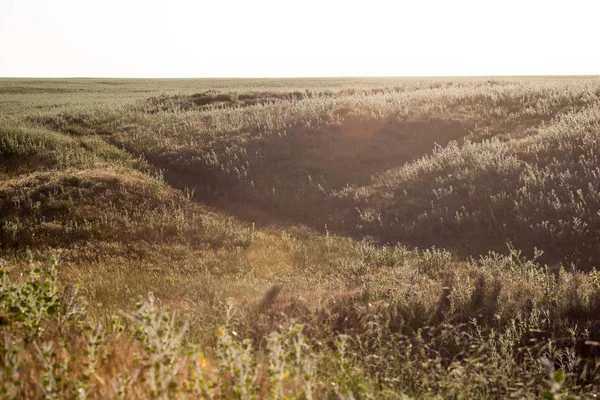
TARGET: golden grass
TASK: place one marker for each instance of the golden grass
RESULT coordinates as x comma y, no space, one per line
303,201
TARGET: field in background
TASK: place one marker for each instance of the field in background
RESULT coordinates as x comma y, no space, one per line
373,238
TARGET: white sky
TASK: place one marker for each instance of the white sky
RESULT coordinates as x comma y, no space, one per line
259,38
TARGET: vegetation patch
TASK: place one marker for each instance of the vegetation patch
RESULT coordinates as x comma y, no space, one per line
344,238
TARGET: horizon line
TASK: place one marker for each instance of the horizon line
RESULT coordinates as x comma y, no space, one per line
313,77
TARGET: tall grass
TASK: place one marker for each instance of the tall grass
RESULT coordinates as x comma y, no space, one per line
454,252
474,342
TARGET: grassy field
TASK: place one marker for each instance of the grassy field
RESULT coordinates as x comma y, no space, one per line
310,239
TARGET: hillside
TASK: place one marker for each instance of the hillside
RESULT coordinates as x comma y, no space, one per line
372,238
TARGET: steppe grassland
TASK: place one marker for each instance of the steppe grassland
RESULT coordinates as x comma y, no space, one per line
136,182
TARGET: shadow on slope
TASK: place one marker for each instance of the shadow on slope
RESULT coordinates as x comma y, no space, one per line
537,192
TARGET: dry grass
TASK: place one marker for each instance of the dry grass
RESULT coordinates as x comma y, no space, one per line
352,207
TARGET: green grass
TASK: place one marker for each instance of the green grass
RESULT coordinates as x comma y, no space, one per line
346,238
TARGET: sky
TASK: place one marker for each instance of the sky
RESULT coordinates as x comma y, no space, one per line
323,38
